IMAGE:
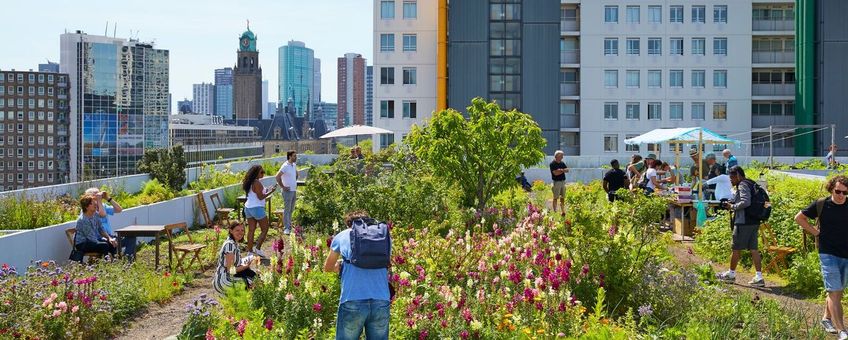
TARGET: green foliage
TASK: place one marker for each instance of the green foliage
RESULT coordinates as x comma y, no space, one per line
202,318
211,178
166,165
514,198
804,275
482,154
22,212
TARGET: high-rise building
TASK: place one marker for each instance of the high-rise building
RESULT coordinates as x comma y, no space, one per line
203,100
266,114
297,76
405,61
369,95
351,90
49,67
224,92
184,106
118,103
34,121
316,82
247,79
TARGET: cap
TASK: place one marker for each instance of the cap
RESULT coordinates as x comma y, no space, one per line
651,156
693,152
711,156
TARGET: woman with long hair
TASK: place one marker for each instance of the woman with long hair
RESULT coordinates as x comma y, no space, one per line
254,207
231,266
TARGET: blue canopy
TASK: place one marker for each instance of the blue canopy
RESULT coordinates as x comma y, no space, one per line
681,135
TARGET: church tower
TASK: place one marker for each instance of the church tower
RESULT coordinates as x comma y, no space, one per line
247,79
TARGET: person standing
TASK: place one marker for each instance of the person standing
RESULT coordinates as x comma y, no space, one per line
103,212
614,179
254,207
830,158
639,168
730,159
558,170
744,231
831,214
287,179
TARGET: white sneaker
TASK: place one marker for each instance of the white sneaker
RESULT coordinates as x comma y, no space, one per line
259,252
842,335
828,326
727,277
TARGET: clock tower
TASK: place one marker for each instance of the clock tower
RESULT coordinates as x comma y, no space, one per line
247,79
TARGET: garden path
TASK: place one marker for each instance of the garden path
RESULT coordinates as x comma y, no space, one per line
775,288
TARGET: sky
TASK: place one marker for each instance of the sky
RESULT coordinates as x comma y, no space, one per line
200,35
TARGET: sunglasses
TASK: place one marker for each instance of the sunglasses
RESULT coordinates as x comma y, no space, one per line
840,192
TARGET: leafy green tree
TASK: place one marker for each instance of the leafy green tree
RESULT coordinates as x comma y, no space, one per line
481,154
165,165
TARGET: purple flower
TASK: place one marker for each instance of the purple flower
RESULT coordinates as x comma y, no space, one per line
645,311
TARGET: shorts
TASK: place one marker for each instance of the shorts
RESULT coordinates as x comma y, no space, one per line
559,189
256,213
834,272
745,236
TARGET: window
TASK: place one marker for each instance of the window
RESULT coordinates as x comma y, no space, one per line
654,46
387,75
720,46
410,109
697,111
505,47
40,78
633,46
387,42
720,111
698,78
410,42
386,139
675,78
699,14
20,77
633,14
676,46
633,78
410,9
50,165
387,9
698,46
675,14
31,78
31,90
611,111
632,111
610,143
611,46
50,91
655,14
720,78
720,13
611,14
50,78
654,78
654,111
387,109
631,147
410,75
610,78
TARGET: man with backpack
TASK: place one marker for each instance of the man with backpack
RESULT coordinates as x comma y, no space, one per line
361,254
747,206
831,214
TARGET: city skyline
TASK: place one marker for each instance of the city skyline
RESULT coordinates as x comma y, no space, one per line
197,50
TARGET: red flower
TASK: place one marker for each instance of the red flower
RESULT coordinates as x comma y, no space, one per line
167,274
269,324
317,307
174,283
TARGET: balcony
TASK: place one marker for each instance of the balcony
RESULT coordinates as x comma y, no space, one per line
569,57
773,89
569,25
571,150
569,88
773,25
759,121
773,57
570,121
62,84
62,96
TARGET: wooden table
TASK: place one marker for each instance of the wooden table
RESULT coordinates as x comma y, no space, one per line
154,231
682,224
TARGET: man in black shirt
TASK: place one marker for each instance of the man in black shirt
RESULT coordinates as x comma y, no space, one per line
558,170
613,180
831,215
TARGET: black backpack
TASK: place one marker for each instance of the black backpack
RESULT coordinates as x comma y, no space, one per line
370,244
760,208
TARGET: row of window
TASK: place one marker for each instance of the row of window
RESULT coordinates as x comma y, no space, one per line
31,152
31,90
30,128
633,111
387,42
698,46
30,103
30,178
31,141
675,14
30,78
409,75
31,116
387,9
387,109
675,78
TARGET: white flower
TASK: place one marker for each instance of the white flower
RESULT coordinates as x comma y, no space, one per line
476,325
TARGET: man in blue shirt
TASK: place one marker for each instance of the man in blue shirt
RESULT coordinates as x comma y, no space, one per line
731,159
365,298
104,211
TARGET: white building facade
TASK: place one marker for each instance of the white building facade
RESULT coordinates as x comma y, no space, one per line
203,98
405,39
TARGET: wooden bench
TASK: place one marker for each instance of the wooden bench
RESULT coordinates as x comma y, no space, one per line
92,256
183,250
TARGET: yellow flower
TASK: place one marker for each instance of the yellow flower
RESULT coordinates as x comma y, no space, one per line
527,331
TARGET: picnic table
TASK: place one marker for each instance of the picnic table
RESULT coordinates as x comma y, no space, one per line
154,231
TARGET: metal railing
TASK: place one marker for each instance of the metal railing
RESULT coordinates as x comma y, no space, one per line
773,89
569,57
569,24
773,25
571,88
773,57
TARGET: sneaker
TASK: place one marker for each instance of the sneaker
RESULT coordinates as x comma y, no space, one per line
727,277
842,335
757,282
259,253
828,326
287,231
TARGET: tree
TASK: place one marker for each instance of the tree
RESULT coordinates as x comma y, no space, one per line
165,165
481,154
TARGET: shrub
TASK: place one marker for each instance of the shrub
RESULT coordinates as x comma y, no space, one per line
202,318
166,165
805,276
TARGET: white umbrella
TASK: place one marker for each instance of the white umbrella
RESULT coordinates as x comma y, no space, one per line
355,130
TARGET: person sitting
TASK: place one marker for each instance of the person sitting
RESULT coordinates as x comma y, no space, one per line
231,265
103,211
652,182
90,235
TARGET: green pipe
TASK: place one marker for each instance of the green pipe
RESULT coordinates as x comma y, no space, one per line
805,55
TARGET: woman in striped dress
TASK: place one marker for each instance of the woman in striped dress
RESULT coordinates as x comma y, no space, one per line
230,265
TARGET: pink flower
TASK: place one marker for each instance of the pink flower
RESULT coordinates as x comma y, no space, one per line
278,245
423,335
463,334
56,313
612,230
289,297
466,315
241,326
209,334
269,324
74,309
317,307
